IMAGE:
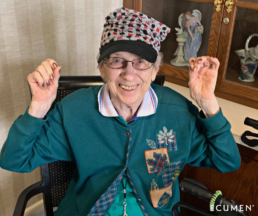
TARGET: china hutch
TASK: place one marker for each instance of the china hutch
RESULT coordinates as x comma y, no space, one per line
227,26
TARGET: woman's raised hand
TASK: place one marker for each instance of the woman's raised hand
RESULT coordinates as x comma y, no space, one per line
203,73
43,84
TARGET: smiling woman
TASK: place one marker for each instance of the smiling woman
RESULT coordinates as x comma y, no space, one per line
127,82
129,138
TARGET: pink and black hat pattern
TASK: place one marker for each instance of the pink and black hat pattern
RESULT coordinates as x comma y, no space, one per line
129,25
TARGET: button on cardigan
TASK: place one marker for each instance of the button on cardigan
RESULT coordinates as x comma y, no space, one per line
160,145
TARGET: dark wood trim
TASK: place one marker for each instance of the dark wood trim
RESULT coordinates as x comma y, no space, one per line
225,44
249,5
133,4
207,1
174,72
128,4
138,5
216,23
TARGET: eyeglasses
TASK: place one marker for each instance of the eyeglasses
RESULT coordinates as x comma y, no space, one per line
117,63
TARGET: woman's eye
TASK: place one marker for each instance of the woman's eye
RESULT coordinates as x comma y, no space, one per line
117,60
140,61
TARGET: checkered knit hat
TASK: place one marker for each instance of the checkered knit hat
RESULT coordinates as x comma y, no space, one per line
131,31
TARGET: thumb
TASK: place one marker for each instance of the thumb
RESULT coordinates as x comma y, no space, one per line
56,73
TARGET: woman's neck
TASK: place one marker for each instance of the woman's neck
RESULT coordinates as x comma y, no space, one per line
124,110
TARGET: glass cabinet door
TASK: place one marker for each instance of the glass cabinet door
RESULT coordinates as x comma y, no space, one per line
238,53
199,37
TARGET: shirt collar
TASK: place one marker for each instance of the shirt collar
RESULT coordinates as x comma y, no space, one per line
148,107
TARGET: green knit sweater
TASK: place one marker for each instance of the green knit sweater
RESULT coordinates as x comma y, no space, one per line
152,150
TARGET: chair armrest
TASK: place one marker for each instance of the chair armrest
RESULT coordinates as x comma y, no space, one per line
182,204
29,192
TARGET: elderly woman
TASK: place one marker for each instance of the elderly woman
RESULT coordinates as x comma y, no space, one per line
129,138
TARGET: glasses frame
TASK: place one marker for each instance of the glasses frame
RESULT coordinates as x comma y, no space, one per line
105,61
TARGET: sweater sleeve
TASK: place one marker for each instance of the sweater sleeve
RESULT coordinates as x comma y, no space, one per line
32,142
213,145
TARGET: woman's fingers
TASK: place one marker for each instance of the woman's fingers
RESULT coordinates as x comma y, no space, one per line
56,73
52,63
192,63
215,63
48,69
44,73
36,77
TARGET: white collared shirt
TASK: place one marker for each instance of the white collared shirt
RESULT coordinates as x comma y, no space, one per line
106,108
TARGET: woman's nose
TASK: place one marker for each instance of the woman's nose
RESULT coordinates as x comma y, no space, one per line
128,71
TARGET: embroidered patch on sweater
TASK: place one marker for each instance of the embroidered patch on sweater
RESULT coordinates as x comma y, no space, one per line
156,160
164,200
170,172
160,197
167,139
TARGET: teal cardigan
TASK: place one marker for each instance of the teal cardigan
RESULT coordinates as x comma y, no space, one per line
160,145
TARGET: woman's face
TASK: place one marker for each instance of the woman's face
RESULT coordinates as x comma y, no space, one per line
127,85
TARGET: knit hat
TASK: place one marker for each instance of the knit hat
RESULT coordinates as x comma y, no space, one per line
131,31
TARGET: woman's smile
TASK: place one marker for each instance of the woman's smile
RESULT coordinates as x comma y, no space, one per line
128,88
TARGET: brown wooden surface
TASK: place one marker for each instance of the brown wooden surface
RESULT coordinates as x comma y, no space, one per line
241,185
215,32
174,72
128,4
133,4
250,5
239,94
210,1
138,5
225,44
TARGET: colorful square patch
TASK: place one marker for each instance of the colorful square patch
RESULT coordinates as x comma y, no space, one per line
156,159
160,197
168,175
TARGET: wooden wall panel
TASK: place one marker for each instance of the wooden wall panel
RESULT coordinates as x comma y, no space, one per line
133,4
128,4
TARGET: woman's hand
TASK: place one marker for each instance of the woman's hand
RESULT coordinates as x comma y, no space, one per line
43,84
203,73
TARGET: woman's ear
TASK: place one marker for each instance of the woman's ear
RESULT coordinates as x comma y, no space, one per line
155,72
102,72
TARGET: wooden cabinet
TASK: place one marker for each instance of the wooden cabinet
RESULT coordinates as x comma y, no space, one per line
220,39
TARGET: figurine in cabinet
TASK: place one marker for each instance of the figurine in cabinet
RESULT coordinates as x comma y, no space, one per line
189,37
194,34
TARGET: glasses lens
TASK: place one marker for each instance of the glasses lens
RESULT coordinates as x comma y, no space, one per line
141,64
115,62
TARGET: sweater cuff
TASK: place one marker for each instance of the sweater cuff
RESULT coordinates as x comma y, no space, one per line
213,123
30,123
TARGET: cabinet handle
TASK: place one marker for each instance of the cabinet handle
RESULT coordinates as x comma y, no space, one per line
218,3
229,4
